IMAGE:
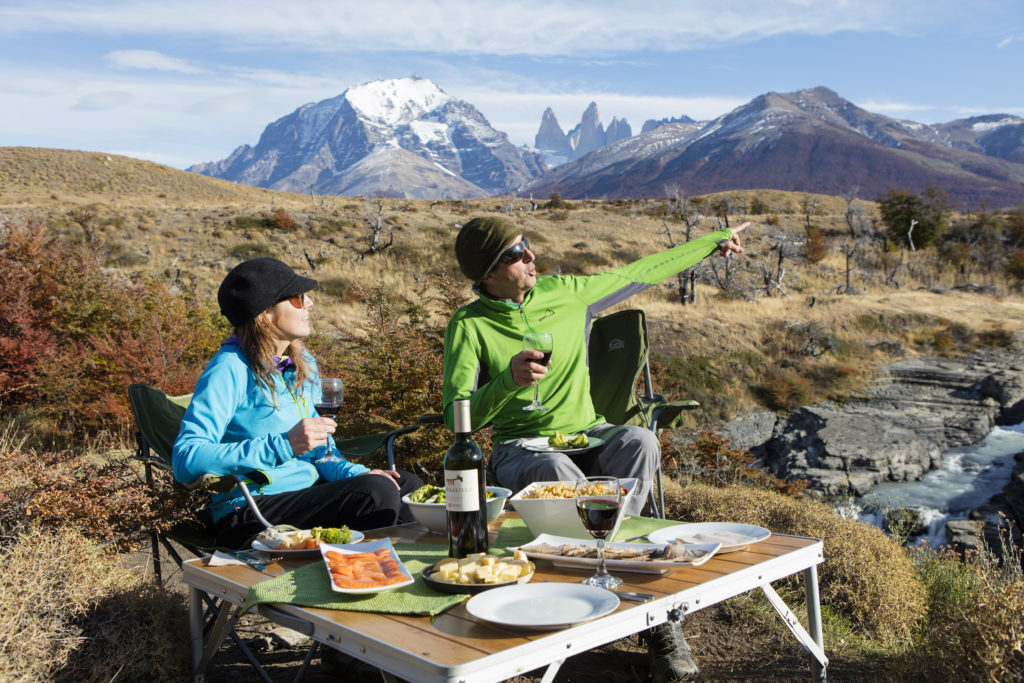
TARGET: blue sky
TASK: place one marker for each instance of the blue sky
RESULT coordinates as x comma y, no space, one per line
185,82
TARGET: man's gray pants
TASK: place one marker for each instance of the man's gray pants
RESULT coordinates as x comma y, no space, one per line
628,451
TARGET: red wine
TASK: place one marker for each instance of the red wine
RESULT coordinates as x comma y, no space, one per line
465,489
330,410
545,360
598,516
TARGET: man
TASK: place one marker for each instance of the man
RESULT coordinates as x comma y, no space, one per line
484,359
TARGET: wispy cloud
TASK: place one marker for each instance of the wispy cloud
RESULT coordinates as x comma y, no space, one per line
148,59
534,27
102,101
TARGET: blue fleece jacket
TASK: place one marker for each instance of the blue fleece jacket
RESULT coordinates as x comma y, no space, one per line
233,427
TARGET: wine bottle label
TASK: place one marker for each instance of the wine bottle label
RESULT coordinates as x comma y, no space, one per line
461,490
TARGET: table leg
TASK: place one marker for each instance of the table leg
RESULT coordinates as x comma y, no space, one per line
814,619
195,629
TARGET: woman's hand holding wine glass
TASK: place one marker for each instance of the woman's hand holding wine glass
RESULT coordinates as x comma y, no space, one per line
332,393
598,501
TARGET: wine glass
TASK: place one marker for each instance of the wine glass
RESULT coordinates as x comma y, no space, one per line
332,393
538,341
598,500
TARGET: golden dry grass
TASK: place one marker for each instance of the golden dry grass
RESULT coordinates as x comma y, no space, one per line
866,575
69,612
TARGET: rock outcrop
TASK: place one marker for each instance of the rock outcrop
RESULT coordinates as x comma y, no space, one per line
897,431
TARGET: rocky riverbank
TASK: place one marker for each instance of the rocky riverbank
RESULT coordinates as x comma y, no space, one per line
898,430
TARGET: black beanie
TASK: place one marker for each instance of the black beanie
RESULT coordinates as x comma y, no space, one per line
255,285
481,242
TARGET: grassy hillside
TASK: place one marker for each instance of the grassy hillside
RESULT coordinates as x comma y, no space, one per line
808,337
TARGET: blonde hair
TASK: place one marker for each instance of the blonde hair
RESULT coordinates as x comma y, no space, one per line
258,343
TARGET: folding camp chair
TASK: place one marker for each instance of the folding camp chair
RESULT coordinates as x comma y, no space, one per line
617,353
158,419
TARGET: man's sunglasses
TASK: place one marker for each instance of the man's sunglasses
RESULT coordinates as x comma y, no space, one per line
515,254
298,301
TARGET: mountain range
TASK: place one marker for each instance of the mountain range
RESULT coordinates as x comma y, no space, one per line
408,138
806,141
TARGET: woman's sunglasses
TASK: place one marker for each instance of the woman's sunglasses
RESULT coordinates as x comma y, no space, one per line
515,253
298,301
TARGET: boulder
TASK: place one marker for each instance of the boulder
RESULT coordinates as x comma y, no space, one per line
965,534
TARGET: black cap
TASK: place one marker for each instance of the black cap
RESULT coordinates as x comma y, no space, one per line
255,285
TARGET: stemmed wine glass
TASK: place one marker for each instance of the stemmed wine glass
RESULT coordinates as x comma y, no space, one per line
598,500
538,341
332,392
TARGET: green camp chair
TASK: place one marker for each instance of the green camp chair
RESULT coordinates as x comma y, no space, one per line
617,352
158,419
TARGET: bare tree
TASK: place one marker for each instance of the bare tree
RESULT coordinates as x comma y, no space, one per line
773,268
853,214
680,205
810,206
910,234
373,214
849,250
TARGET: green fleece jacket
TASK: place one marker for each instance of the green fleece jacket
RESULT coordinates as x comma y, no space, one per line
483,336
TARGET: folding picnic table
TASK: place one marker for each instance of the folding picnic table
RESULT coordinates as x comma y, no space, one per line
454,646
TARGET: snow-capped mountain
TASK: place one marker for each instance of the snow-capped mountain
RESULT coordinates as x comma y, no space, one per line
806,141
399,138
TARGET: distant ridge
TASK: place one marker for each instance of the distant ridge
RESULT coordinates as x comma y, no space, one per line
806,141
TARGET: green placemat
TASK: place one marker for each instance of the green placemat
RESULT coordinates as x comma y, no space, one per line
514,532
310,586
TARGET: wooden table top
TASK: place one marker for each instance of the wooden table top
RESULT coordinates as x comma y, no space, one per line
454,646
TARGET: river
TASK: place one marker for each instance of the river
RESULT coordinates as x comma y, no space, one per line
968,478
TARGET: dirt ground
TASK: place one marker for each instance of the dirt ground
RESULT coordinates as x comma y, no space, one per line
726,646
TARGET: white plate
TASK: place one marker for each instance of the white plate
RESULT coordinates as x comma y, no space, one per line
542,606
638,566
368,547
540,445
732,536
257,544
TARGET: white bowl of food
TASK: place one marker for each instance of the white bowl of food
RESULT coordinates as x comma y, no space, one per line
427,505
549,507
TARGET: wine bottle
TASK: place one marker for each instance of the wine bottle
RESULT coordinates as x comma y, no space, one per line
465,489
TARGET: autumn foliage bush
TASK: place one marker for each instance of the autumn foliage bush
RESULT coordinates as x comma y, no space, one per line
72,338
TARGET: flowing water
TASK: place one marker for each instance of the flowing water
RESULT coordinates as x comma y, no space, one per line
968,478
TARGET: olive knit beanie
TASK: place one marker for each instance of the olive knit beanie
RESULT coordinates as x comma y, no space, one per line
481,242
255,285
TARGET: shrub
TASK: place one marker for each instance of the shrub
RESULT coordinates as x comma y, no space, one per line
815,246
341,288
866,576
70,613
71,340
280,220
101,498
248,250
783,389
250,223
710,459
974,631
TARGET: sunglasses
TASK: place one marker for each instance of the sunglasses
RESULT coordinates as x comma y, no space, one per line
515,254
298,301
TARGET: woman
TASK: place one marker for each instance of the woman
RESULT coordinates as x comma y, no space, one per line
253,410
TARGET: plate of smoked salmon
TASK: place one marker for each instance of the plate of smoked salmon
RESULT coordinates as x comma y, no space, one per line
367,567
